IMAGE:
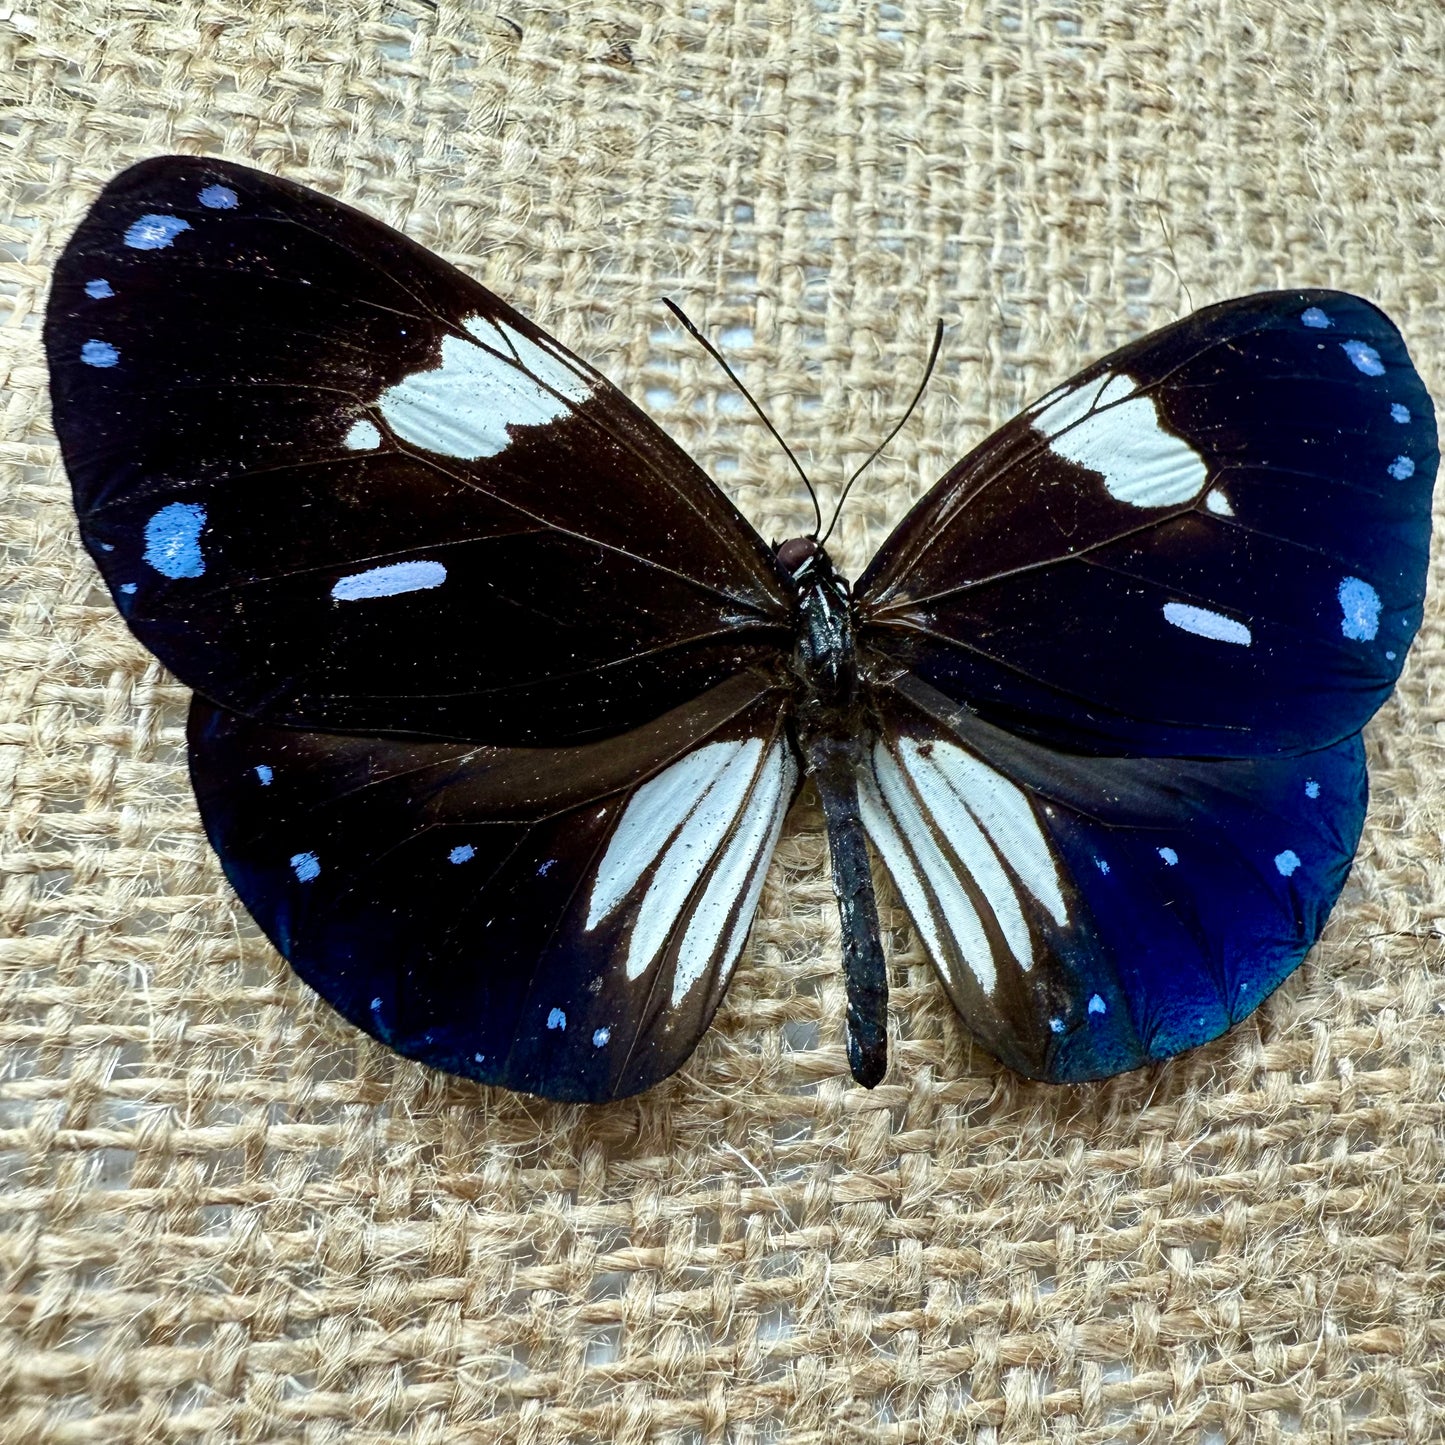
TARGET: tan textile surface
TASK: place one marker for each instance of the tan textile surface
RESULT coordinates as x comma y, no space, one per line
226,1216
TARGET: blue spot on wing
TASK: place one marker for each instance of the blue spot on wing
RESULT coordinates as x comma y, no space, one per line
1360,604
218,198
1364,357
306,867
154,232
173,540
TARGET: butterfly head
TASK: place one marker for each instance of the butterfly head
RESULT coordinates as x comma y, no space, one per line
796,553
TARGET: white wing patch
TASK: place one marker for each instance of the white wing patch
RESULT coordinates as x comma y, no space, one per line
959,915
465,406
1104,427
657,810
738,875
721,807
933,800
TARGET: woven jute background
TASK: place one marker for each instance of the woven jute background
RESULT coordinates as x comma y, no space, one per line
225,1216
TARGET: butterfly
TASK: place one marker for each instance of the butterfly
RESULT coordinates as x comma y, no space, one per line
500,704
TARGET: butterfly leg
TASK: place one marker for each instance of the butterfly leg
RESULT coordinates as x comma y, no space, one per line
833,763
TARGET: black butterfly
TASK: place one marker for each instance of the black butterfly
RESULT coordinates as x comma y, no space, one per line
500,704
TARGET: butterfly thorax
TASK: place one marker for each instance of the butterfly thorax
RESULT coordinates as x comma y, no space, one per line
823,654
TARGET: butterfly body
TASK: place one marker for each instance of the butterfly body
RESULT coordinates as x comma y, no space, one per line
500,704
831,729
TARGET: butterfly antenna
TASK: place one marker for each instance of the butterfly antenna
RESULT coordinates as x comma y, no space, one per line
902,421
717,356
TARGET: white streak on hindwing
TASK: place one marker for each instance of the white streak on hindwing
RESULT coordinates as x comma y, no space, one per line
739,875
935,797
959,915
654,813
1103,427
947,807
1008,818
674,825
464,406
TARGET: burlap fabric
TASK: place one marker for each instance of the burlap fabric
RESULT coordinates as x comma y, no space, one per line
225,1216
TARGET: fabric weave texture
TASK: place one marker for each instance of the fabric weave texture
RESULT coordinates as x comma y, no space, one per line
225,1216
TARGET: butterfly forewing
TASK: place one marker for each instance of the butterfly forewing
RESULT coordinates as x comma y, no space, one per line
333,482
1212,542
562,921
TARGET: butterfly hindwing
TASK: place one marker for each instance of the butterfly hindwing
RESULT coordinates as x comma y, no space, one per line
1212,542
1091,914
562,921
333,482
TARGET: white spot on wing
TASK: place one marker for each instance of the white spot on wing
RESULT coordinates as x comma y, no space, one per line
1360,604
1118,388
1204,623
1123,440
1218,503
733,889
1063,408
464,406
363,436
390,581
